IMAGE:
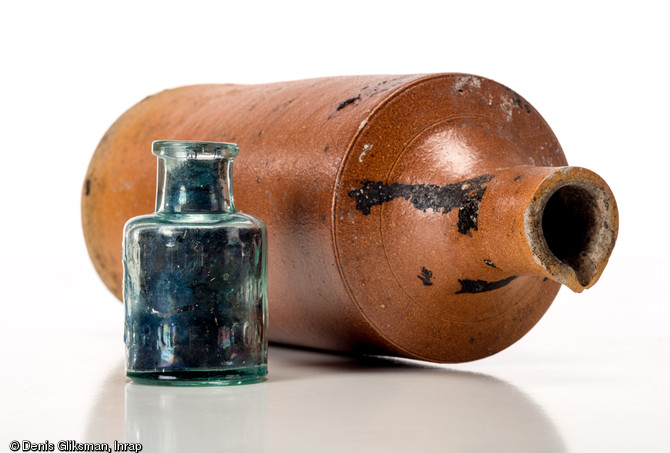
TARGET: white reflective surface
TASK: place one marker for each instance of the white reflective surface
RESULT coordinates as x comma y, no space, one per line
316,402
592,376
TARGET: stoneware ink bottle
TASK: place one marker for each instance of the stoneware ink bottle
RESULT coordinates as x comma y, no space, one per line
428,216
195,285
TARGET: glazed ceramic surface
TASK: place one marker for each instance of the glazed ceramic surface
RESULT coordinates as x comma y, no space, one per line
406,213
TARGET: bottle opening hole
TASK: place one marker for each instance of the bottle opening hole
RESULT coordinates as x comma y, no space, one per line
570,226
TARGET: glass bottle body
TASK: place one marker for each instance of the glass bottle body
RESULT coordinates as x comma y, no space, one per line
195,282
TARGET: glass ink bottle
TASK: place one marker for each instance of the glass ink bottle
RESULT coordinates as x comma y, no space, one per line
195,280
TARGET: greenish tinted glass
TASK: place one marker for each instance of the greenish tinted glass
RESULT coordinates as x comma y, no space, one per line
195,285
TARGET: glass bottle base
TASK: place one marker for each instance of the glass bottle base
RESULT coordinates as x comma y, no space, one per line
235,376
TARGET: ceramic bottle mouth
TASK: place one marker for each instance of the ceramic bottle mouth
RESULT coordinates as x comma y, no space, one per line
571,226
196,150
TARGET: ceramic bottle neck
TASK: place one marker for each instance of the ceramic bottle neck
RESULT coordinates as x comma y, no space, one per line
560,222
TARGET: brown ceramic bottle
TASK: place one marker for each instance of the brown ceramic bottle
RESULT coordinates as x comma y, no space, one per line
426,216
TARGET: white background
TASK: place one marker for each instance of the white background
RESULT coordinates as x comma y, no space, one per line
592,376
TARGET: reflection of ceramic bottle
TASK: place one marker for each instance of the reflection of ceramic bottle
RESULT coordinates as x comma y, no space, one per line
194,275
178,420
383,405
432,217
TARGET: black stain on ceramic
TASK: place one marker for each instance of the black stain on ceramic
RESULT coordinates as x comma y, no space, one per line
465,195
87,187
380,87
348,101
518,100
369,91
425,276
490,263
482,286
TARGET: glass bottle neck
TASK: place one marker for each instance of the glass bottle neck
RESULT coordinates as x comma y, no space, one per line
191,186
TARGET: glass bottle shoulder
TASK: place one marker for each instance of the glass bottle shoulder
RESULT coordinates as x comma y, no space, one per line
236,220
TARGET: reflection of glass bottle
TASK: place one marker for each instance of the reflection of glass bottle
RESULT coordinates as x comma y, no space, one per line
177,419
195,275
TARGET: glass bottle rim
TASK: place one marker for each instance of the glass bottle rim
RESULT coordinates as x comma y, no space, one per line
193,149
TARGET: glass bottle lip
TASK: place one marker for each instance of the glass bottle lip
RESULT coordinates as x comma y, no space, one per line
197,150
